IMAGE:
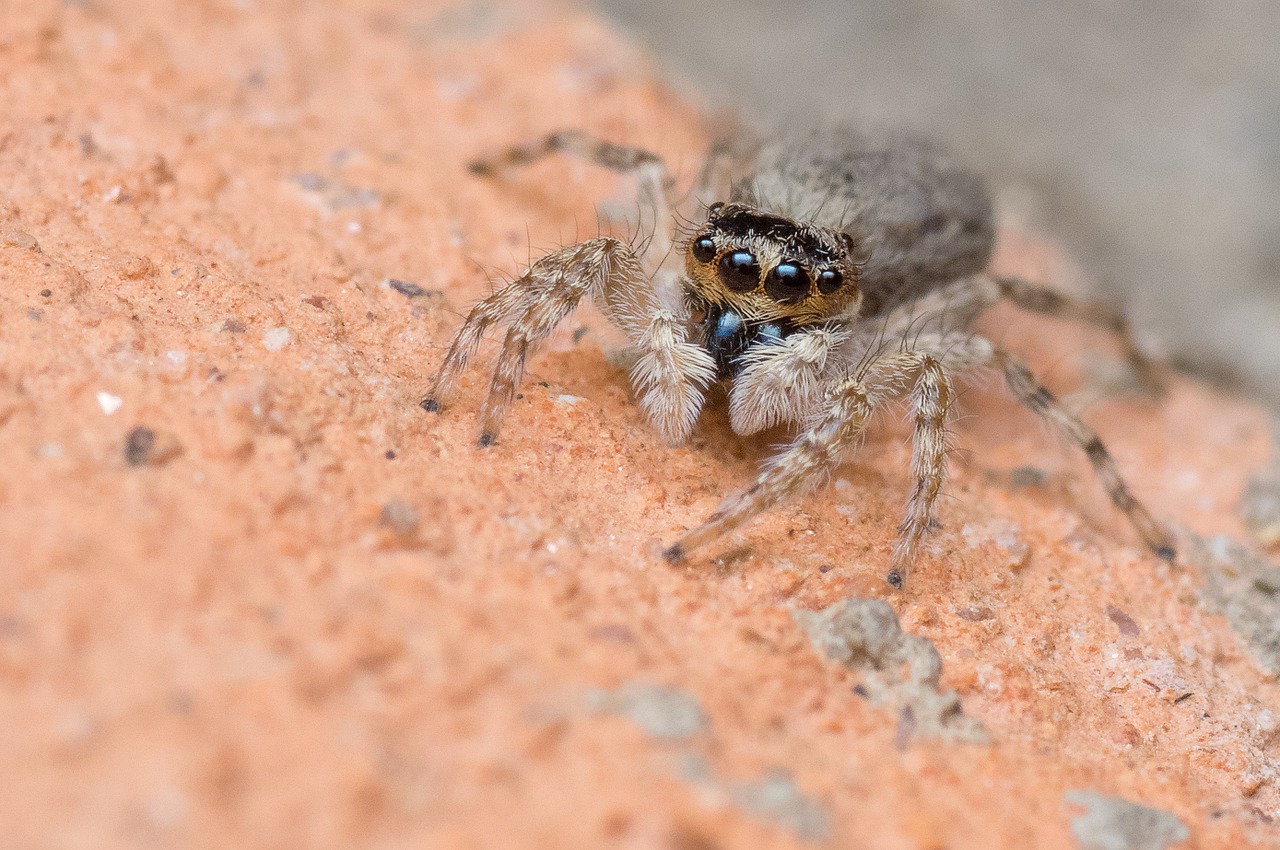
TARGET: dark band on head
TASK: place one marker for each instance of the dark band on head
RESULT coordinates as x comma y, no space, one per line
738,222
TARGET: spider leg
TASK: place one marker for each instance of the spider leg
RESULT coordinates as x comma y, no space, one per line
818,449
671,376
1039,299
502,305
653,182
801,466
931,398
1037,397
532,306
606,154
727,158
782,382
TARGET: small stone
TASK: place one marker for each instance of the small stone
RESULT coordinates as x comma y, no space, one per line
1027,476
137,267
1112,823
145,447
663,712
1123,621
109,403
408,290
400,518
1269,581
276,339
776,797
974,613
19,239
309,181
897,668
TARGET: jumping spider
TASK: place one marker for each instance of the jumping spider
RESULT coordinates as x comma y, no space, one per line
831,273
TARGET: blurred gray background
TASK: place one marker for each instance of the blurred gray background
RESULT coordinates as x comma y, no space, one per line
1145,135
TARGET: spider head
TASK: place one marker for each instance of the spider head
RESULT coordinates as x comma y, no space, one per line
767,267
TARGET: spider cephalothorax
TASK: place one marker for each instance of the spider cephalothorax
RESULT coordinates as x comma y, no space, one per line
767,267
830,275
757,277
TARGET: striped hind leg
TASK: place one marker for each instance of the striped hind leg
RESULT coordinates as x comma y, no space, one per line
1037,397
1039,299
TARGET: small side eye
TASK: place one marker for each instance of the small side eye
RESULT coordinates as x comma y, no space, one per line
740,271
829,281
715,208
787,281
704,249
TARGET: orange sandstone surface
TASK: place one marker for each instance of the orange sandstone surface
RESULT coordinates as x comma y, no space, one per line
251,595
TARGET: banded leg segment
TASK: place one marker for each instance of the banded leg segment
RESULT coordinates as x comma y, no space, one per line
653,182
1039,299
820,447
802,466
532,306
1037,397
606,154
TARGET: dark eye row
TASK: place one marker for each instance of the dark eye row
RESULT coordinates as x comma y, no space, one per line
787,281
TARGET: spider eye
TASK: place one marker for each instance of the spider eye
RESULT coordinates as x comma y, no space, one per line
704,249
740,271
829,281
787,281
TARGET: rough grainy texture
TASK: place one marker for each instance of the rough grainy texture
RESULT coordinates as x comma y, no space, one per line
1110,823
1244,587
899,669
294,610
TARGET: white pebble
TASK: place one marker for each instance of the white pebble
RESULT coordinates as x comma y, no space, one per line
276,339
109,403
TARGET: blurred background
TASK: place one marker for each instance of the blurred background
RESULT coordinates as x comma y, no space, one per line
1145,135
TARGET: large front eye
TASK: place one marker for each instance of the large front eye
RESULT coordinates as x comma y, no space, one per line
704,249
740,271
787,281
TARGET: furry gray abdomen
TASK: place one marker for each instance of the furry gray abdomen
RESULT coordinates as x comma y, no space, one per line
919,217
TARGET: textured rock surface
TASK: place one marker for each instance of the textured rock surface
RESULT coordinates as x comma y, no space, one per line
1110,823
252,596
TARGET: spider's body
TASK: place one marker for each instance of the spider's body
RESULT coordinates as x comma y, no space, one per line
829,275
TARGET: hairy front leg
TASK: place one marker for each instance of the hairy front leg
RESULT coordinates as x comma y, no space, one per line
782,382
811,457
671,376
531,307
800,467
931,398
